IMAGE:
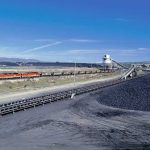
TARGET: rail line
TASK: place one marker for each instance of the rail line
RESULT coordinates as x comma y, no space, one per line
24,104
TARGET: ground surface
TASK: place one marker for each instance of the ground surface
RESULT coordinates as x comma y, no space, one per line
83,124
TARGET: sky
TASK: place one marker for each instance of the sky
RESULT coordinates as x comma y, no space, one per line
75,30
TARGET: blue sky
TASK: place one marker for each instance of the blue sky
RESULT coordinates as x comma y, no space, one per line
75,30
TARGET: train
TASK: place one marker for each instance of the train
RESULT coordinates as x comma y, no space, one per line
19,75
5,76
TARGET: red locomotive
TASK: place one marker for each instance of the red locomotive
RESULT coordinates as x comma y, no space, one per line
19,75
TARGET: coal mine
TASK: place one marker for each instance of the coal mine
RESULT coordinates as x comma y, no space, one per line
112,118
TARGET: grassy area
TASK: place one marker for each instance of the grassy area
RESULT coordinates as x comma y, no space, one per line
43,69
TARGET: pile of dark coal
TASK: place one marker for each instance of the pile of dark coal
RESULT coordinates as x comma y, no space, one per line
133,95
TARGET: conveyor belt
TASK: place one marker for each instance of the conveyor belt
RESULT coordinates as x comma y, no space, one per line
120,64
128,72
24,104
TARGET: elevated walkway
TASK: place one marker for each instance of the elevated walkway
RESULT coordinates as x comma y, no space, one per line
119,64
128,72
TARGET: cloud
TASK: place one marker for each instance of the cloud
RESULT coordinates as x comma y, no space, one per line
121,19
83,40
127,53
84,51
91,52
142,48
44,40
4,48
63,40
41,47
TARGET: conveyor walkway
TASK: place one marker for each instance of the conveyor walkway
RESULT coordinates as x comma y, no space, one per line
128,72
120,64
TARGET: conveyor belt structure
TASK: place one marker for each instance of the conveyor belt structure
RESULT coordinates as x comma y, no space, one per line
24,104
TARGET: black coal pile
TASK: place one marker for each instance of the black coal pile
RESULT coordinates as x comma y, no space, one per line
84,123
133,95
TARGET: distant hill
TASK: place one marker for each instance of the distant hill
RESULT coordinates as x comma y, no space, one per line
13,60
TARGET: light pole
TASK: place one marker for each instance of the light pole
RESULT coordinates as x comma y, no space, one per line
73,93
75,73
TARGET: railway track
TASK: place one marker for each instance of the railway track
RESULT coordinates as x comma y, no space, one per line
24,104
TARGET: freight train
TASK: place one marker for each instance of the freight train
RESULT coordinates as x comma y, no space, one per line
5,76
19,75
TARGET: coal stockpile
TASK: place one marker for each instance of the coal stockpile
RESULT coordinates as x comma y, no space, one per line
83,123
133,95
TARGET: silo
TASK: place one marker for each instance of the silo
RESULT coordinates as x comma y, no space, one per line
107,62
